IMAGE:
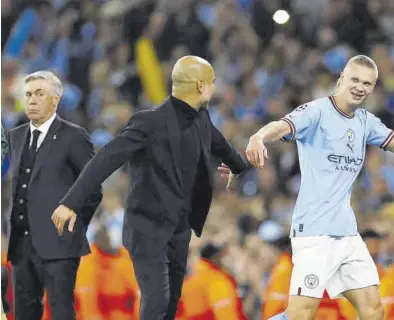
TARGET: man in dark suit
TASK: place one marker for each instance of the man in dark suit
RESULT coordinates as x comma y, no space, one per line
47,156
168,149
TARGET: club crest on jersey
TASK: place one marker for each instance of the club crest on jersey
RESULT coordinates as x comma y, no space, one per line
350,139
311,281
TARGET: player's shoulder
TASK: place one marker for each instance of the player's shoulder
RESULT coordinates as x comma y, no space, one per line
315,105
319,104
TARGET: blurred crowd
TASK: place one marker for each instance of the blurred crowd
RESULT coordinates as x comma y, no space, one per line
115,58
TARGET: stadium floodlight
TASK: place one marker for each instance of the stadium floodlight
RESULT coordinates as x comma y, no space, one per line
281,16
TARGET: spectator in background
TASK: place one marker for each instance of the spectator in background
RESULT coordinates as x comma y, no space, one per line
108,274
277,291
387,292
210,291
373,241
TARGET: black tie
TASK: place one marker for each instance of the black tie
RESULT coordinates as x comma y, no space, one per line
33,147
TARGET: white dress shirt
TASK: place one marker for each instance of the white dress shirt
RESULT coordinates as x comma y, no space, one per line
44,128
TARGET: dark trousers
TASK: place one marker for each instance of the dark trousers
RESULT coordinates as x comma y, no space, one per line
160,268
31,275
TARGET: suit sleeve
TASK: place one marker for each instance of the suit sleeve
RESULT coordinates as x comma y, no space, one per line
80,154
222,149
4,144
110,158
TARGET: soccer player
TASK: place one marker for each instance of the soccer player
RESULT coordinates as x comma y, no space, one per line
332,134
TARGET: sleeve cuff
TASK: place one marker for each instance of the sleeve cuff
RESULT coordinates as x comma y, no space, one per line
65,202
291,136
387,141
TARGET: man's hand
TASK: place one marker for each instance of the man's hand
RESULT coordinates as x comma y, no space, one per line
225,172
256,151
61,215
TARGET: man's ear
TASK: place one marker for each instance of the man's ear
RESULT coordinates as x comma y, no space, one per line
200,86
56,100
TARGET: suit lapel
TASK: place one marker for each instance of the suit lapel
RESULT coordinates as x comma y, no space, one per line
18,154
19,151
50,140
174,138
204,140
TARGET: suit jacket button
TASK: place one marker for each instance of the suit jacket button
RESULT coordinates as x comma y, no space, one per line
24,186
21,201
26,233
21,217
27,170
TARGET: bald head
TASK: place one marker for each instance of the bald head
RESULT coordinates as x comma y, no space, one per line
193,79
191,69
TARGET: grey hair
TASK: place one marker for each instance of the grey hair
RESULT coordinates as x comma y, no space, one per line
49,76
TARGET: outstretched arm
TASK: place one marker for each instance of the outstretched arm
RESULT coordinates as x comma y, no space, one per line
274,131
81,153
297,125
110,158
222,149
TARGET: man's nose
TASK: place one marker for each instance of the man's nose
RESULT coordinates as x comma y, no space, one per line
32,99
360,87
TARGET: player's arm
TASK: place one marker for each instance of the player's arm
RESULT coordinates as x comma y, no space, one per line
378,134
295,126
223,150
274,131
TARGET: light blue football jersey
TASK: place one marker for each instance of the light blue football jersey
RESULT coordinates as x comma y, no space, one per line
331,149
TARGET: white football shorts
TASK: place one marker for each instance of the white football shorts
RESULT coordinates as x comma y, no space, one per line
332,264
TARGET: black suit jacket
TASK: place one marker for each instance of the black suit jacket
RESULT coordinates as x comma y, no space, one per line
60,159
151,145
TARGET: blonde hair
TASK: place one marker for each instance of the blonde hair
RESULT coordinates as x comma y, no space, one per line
49,76
364,61
361,60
